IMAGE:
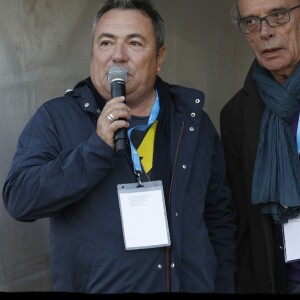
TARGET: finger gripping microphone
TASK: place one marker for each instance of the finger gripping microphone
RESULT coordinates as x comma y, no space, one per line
117,77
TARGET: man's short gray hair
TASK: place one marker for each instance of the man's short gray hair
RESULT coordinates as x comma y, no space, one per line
235,12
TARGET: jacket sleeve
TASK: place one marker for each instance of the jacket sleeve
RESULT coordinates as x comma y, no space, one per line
220,220
44,177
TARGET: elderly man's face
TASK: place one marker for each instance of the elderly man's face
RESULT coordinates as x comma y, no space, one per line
277,49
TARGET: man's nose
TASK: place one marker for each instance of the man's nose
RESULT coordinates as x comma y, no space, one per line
120,53
266,30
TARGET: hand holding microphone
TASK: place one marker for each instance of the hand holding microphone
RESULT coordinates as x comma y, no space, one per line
117,77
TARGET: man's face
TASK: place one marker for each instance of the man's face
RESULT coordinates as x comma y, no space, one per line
277,49
126,38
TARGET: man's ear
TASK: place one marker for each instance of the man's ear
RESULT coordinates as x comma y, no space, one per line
161,56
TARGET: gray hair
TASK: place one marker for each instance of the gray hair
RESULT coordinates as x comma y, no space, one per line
145,7
235,12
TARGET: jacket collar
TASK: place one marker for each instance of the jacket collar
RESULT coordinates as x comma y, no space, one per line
187,102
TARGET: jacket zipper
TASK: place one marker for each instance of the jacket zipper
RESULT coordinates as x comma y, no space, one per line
168,249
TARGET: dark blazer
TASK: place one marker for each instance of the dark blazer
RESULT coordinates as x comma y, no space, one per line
257,245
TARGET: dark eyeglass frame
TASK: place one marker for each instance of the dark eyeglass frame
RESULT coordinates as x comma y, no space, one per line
265,18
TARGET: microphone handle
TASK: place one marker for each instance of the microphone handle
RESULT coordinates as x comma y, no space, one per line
118,90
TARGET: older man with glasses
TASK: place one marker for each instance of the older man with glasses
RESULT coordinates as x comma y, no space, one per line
261,138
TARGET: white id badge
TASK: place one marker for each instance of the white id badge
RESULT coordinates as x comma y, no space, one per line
291,239
143,214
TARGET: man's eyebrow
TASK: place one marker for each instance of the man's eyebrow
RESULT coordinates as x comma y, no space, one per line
269,12
136,35
112,36
105,35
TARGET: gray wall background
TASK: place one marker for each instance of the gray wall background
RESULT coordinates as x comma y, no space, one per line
45,49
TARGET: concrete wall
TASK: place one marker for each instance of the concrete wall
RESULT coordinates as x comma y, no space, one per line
45,49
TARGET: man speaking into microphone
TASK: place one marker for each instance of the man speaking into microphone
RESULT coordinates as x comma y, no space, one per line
158,218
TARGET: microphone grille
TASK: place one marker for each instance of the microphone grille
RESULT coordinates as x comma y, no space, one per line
117,73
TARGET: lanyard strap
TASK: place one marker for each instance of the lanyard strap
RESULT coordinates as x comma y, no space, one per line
298,136
134,154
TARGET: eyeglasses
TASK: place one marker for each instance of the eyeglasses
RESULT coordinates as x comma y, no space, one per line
277,18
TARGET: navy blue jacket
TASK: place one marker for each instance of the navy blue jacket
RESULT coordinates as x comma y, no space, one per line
64,171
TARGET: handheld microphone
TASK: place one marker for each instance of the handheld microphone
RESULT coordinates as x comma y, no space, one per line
117,77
